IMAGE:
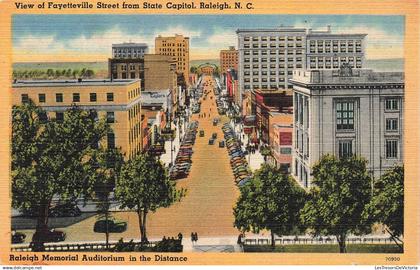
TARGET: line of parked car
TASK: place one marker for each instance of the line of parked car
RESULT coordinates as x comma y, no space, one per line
182,164
237,157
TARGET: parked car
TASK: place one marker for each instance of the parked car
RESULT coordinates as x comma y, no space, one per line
65,210
18,237
214,135
211,141
114,226
215,121
51,235
201,133
222,144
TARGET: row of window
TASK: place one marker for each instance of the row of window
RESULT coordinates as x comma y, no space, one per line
264,86
335,50
264,66
273,45
247,80
272,72
345,148
342,43
271,60
273,52
59,97
273,38
59,116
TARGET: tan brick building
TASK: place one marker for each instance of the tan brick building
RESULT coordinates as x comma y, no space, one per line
117,100
228,59
178,47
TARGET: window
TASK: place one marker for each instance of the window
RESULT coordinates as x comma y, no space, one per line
391,148
59,116
41,98
345,115
345,149
109,96
92,97
391,104
76,97
285,150
111,140
59,97
110,117
391,124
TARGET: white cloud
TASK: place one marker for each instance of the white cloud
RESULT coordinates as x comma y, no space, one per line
379,42
103,41
180,30
222,39
38,44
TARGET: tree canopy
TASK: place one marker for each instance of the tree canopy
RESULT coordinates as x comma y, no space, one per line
387,204
341,190
50,159
269,201
143,186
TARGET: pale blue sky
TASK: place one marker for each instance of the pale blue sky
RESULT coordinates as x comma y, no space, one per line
90,36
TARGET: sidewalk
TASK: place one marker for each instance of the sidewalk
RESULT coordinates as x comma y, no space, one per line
254,160
215,244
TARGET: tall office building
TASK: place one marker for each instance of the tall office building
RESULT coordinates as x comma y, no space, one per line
117,100
129,50
178,47
155,71
347,112
267,57
228,59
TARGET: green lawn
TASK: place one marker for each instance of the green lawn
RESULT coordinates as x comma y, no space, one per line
351,248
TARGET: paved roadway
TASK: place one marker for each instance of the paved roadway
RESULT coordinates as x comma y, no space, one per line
207,207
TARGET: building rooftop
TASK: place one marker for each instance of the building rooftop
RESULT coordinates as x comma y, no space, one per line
61,83
345,76
278,29
129,44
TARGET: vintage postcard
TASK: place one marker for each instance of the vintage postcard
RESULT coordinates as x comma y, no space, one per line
209,132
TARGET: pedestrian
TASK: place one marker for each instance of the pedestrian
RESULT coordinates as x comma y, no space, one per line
192,238
196,237
180,236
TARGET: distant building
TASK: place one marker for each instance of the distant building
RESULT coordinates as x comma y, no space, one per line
281,143
117,100
157,72
228,59
178,47
347,112
129,50
267,57
263,104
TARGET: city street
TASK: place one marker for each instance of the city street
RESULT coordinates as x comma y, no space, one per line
207,207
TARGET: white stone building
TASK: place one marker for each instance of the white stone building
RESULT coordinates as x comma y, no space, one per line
267,57
129,50
347,112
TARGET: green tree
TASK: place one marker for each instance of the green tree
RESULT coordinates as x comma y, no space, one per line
269,201
106,164
51,159
89,73
387,204
50,72
75,73
341,190
144,186
68,73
